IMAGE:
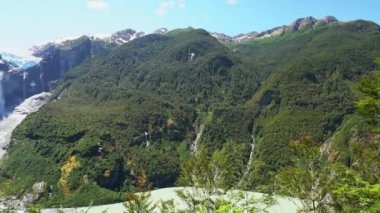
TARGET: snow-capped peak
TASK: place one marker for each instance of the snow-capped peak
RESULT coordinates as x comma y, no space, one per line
117,38
100,36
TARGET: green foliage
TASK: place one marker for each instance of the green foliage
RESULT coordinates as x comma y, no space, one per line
221,170
322,186
352,194
13,179
108,103
369,106
307,85
139,203
340,140
89,194
178,32
310,179
183,151
167,206
34,209
213,179
197,200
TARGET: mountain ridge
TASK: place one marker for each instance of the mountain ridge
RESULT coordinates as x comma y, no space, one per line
123,36
299,24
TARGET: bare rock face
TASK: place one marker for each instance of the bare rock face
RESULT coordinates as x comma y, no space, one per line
223,38
245,37
12,204
37,190
329,20
299,24
124,36
161,31
19,84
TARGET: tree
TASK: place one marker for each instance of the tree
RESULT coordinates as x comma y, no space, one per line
351,193
209,175
214,180
139,203
167,206
309,178
322,186
369,106
221,170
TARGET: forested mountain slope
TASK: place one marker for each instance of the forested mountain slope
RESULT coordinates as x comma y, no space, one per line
309,82
128,118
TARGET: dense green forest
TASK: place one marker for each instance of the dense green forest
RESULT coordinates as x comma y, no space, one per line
127,119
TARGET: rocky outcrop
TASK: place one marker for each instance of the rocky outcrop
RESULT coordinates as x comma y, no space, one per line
297,25
244,37
10,86
57,58
18,84
223,38
301,23
7,125
327,20
125,36
38,189
161,31
13,204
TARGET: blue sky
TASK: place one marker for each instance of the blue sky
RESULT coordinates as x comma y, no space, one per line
27,22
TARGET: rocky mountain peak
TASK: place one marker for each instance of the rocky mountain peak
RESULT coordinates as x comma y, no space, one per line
161,31
223,37
330,19
124,36
117,38
299,24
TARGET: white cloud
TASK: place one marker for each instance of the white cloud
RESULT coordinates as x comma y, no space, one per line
97,4
181,4
232,1
164,7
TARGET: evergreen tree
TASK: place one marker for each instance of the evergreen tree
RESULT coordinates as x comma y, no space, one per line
369,106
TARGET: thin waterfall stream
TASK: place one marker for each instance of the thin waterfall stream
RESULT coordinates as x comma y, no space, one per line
249,164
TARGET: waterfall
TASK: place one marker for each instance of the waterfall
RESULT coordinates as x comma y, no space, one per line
146,138
249,164
194,145
2,101
192,56
24,75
